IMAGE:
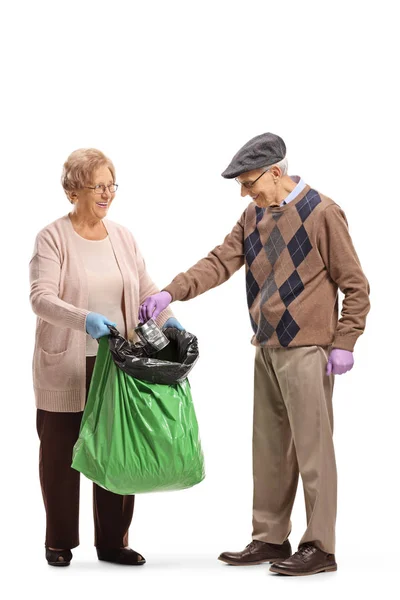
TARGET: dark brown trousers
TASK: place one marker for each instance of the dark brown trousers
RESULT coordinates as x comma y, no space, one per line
58,433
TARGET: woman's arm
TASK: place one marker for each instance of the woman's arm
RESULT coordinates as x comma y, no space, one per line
44,275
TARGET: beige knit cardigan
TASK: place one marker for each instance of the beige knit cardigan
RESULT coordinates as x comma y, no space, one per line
59,298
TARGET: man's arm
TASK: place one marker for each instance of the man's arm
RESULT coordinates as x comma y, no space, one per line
336,248
146,285
213,270
207,273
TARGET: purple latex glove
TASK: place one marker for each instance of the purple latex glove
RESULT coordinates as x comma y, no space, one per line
153,305
339,362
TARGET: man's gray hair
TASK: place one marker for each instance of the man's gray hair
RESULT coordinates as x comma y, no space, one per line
282,164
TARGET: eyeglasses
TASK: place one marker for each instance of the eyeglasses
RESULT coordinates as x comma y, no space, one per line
101,189
249,184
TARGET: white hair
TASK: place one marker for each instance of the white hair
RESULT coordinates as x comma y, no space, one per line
282,164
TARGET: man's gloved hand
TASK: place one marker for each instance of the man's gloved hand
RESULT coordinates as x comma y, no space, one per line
339,362
96,325
153,305
172,322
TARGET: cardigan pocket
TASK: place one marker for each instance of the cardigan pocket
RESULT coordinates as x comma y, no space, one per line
53,341
52,369
52,358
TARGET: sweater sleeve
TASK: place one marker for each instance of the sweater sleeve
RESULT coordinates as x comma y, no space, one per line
213,270
44,275
343,265
147,287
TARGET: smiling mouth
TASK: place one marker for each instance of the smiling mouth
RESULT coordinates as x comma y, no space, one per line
102,204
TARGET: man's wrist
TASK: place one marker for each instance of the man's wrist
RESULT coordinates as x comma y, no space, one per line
165,291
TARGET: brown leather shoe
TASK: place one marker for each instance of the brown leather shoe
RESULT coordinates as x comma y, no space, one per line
308,560
256,553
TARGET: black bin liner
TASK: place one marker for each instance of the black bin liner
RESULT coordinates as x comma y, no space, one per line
170,365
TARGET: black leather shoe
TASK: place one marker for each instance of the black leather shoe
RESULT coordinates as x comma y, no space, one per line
121,556
256,553
58,558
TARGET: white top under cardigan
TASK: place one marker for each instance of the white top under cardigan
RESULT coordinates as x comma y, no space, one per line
105,285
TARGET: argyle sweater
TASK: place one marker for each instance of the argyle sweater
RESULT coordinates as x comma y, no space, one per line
297,256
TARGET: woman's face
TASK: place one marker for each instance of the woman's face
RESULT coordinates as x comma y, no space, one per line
91,203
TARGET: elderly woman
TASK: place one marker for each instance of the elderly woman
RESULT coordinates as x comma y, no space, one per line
86,273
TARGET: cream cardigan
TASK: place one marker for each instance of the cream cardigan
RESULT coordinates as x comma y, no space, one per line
59,297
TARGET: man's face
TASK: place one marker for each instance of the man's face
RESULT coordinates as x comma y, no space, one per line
259,185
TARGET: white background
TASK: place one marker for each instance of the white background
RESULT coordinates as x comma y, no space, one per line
170,91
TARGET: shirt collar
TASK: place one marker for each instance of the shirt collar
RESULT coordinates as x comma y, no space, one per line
296,191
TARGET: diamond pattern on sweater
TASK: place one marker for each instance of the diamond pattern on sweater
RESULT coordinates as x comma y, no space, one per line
252,246
260,212
275,245
299,246
287,329
268,278
265,330
253,324
252,288
268,288
307,204
291,288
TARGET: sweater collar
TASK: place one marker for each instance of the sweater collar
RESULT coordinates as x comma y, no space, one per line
301,189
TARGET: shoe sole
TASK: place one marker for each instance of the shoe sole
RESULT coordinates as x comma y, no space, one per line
274,569
249,564
115,562
58,564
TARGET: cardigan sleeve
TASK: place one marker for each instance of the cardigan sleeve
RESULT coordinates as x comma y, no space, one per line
44,275
343,265
213,270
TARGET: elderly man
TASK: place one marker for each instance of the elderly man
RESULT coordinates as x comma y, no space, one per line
298,252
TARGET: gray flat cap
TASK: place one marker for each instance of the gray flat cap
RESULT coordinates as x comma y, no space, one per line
261,151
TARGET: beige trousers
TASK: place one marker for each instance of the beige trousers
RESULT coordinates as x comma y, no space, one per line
292,434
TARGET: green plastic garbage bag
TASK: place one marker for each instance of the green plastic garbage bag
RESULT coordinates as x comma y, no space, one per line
136,436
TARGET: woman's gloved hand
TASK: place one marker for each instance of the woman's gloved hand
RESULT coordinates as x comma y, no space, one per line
172,322
96,325
153,305
339,362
